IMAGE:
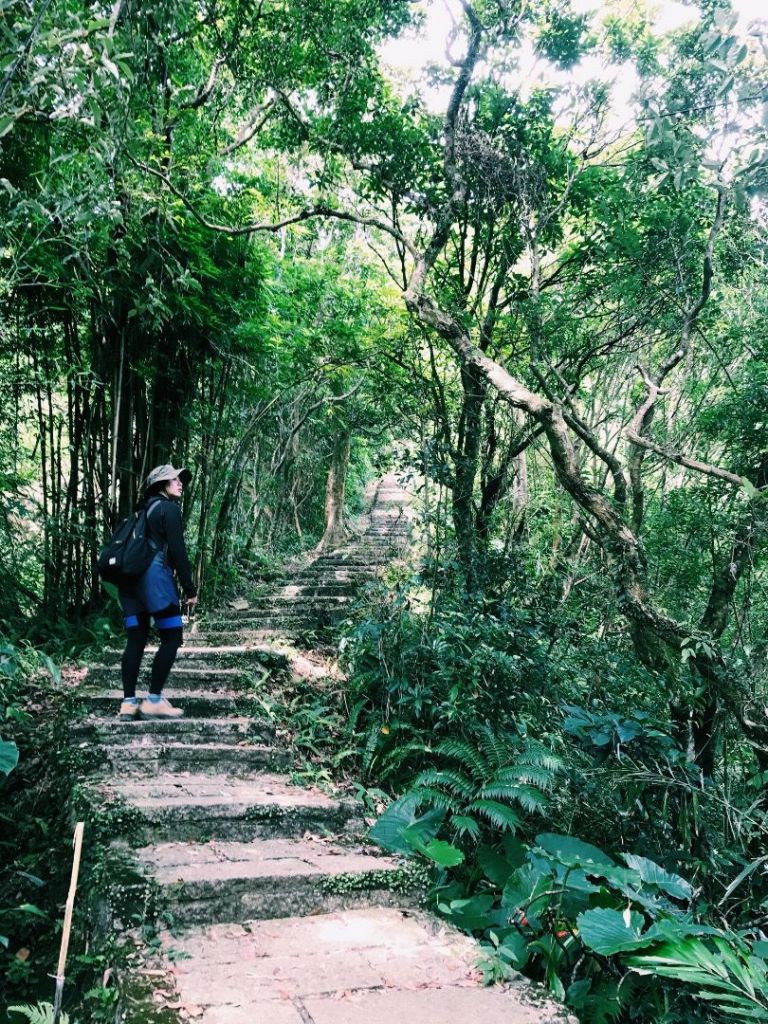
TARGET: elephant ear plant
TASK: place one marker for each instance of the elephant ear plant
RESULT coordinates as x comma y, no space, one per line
9,757
609,935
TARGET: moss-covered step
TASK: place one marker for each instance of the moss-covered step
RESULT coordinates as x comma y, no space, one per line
183,677
198,649
333,588
296,602
272,878
197,806
272,619
194,704
109,729
148,755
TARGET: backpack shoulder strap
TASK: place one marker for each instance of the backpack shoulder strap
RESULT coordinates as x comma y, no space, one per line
147,513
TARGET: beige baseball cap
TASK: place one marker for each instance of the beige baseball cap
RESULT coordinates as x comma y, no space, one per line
161,473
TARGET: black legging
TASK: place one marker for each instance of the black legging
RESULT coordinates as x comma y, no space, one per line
136,641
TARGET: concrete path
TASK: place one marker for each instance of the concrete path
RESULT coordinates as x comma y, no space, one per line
282,912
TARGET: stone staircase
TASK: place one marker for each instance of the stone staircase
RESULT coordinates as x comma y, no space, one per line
280,910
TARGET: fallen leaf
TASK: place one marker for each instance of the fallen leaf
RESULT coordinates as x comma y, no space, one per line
23,954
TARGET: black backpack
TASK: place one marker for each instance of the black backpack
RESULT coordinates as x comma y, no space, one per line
129,551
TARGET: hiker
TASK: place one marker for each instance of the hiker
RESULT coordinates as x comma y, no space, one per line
154,595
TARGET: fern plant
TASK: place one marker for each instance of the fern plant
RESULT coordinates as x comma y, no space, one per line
490,781
41,1013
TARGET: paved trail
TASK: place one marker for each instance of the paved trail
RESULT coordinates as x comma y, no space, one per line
282,913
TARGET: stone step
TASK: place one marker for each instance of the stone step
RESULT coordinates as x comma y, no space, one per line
199,649
112,731
293,602
194,704
182,677
270,878
140,757
335,562
376,965
295,621
196,807
334,588
194,642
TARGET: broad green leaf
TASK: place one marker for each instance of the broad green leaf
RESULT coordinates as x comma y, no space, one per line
471,913
30,908
442,853
608,931
496,866
388,830
572,851
9,756
653,874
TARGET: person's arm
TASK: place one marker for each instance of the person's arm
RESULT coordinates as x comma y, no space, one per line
177,549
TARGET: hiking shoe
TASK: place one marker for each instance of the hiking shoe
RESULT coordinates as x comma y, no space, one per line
159,709
129,711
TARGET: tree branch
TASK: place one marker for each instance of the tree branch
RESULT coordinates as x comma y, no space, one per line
256,121
255,227
642,420
205,91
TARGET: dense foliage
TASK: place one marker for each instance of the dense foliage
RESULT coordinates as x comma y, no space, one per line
232,238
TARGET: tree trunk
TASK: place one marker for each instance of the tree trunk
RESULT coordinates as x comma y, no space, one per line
466,463
335,528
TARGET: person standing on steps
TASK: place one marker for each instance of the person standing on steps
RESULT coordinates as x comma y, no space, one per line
154,596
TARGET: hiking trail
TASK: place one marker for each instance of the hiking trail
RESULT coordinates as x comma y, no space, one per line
281,912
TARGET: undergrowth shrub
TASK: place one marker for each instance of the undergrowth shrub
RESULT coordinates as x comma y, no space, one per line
36,705
503,741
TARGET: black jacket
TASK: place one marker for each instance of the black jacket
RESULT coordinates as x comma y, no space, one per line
165,528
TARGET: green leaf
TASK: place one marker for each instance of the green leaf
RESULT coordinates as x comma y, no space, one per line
398,829
496,867
30,908
749,487
442,853
607,931
388,830
9,756
470,913
573,852
499,815
652,874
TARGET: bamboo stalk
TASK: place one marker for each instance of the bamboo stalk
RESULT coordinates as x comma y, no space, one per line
78,845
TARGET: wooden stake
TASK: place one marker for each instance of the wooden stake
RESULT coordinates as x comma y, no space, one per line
78,845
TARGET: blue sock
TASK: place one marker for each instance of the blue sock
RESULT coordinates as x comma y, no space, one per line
153,698
131,700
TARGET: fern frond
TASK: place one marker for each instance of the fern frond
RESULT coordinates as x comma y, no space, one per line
497,749
453,781
467,756
393,760
42,1013
534,753
436,798
530,799
498,814
369,751
465,826
354,714
533,774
